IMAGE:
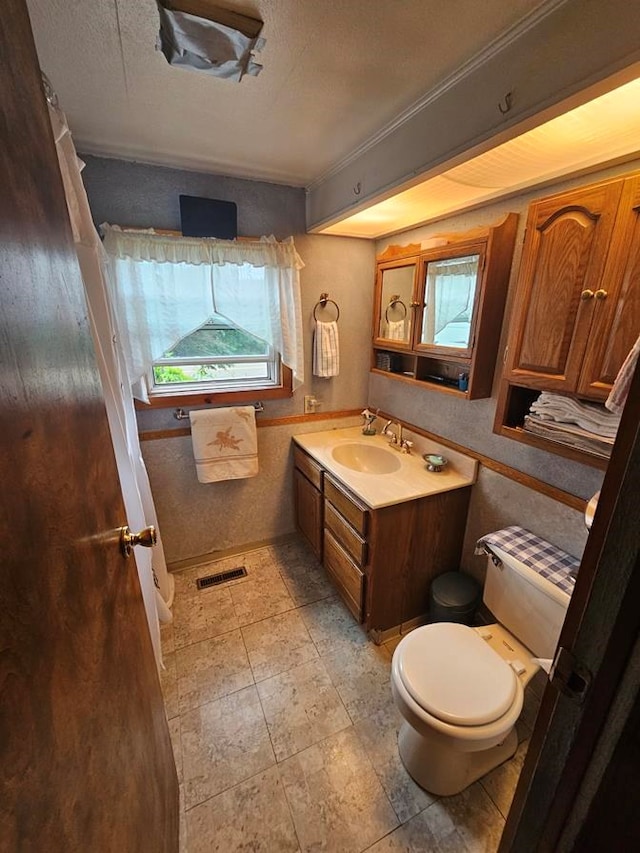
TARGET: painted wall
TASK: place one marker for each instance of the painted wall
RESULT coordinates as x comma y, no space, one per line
498,501
143,196
197,519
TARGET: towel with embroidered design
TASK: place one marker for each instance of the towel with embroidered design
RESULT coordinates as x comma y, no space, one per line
225,443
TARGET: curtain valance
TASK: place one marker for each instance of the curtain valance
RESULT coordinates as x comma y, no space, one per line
163,248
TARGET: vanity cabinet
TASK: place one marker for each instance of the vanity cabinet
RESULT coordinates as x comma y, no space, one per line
577,304
382,561
438,311
308,499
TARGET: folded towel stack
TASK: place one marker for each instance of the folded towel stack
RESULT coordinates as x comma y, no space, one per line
326,350
225,443
583,426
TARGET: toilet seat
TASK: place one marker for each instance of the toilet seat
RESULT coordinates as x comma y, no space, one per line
451,673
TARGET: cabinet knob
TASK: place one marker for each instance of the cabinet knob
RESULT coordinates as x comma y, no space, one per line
601,294
587,294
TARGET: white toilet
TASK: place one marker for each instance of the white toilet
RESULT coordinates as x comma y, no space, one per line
460,689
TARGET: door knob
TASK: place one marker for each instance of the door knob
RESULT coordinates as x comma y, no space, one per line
587,294
147,538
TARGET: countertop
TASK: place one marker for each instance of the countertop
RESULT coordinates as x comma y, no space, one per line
411,480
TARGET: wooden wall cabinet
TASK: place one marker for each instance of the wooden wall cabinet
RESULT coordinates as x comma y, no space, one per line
577,304
438,312
382,561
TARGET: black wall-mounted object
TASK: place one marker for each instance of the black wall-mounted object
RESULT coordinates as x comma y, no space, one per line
208,217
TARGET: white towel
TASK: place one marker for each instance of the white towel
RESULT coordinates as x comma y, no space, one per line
395,330
225,443
620,391
326,350
589,416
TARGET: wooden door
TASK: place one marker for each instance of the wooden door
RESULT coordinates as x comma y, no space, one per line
564,254
616,309
85,755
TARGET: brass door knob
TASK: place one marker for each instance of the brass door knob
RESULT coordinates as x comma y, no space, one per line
128,540
601,294
587,294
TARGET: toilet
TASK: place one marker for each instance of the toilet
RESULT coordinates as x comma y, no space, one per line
460,690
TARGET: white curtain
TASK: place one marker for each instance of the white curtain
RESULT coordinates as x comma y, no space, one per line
132,473
451,287
254,284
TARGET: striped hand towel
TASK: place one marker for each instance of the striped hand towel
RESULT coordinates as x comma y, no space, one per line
326,350
395,330
225,443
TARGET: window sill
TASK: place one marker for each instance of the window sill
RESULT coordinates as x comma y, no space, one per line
212,398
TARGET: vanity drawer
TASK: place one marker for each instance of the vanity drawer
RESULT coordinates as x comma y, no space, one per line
345,534
345,574
309,467
356,513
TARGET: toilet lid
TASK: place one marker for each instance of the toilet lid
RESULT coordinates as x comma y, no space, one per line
451,672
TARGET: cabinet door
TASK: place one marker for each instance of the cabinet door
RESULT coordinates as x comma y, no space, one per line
564,254
448,297
616,309
394,303
308,505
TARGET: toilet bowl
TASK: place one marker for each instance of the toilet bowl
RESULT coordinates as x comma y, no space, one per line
460,690
460,699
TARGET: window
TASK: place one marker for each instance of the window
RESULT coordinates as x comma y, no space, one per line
218,356
200,317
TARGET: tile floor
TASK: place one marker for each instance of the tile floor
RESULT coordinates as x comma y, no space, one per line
284,729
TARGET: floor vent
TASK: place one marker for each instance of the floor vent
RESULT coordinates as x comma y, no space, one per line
222,577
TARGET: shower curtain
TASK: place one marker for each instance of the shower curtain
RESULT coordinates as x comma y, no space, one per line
134,481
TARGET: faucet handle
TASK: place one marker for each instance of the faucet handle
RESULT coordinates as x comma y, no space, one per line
407,445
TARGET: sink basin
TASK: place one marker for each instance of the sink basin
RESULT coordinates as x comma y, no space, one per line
366,458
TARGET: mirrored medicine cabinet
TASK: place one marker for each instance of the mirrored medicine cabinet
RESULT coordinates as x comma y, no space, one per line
438,310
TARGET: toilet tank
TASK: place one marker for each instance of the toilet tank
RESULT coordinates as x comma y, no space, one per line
529,606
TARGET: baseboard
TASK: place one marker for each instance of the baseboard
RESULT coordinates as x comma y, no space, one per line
201,559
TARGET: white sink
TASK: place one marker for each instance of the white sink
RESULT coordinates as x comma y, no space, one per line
358,462
366,458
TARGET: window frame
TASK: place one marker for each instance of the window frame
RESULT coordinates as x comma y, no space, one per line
210,397
270,358
200,398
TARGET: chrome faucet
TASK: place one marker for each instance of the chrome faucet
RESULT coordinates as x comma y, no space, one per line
395,438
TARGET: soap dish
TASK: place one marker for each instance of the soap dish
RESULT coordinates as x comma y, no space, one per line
434,462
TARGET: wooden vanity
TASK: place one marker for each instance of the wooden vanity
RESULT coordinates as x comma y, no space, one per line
381,559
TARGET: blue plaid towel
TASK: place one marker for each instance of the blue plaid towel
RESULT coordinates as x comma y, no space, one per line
544,558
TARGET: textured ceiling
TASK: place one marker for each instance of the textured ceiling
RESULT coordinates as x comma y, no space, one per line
335,72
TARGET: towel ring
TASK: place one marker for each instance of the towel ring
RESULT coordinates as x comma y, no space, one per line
322,303
392,304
